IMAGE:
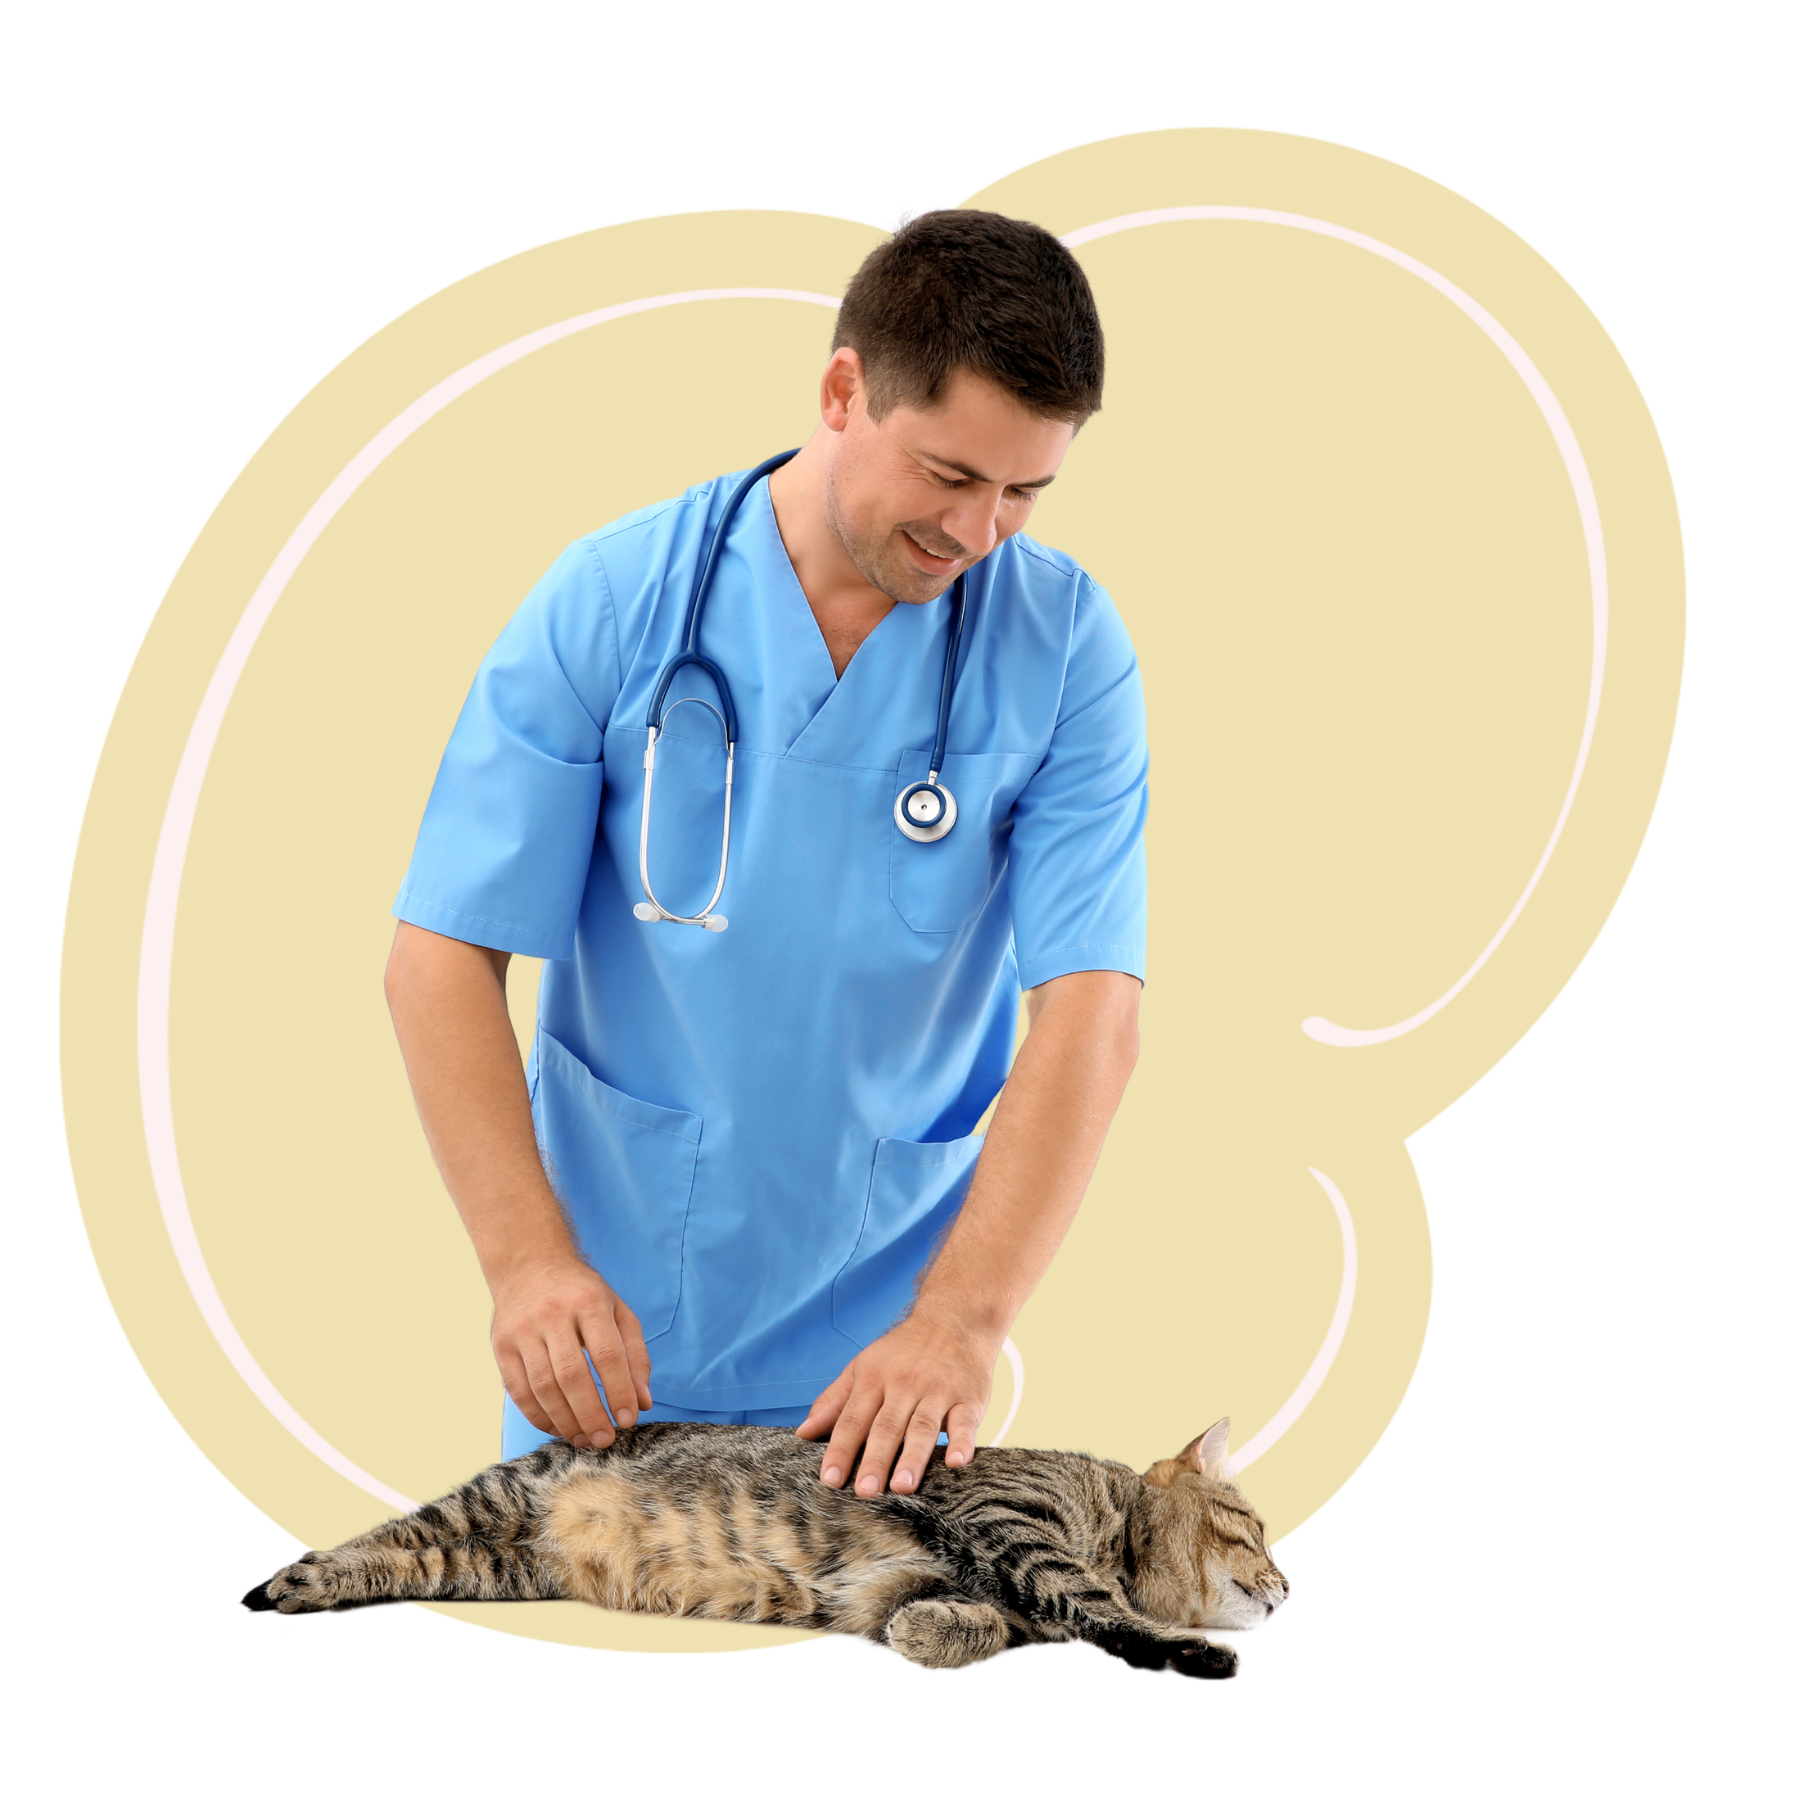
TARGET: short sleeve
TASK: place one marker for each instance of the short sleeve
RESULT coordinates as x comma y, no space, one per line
503,852
1077,880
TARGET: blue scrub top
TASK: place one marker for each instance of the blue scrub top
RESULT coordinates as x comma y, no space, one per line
761,1134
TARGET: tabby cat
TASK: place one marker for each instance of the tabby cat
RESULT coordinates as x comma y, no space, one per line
732,1522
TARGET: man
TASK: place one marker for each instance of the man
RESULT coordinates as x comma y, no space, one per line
754,1149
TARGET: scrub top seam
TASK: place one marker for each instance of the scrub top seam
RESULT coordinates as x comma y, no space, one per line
508,927
612,621
618,529
474,918
757,1387
862,1231
681,1261
1106,693
648,516
1029,546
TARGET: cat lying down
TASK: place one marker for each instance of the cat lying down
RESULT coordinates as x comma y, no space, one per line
732,1522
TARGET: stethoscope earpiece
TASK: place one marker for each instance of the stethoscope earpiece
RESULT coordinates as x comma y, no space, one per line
653,914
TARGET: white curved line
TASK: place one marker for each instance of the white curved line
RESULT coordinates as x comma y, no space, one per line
1586,502
156,954
1018,1393
1314,1378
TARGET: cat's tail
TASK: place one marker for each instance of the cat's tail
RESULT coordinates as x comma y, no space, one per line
479,1543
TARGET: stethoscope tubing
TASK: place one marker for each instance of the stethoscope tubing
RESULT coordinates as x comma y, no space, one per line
652,910
690,638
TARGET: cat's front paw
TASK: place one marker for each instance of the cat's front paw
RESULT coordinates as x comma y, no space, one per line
1188,1658
305,1586
1205,1662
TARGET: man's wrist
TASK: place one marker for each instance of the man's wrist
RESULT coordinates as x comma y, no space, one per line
534,1253
985,1325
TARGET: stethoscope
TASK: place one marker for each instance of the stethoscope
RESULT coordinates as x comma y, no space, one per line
925,811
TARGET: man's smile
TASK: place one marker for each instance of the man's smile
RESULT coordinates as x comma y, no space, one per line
927,559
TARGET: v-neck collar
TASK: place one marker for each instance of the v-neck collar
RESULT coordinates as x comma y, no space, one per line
812,669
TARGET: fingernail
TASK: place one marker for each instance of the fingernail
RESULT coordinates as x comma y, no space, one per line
627,1417
868,1484
831,1475
903,1479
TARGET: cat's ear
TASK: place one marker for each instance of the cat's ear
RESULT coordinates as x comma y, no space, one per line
1207,1453
1204,1456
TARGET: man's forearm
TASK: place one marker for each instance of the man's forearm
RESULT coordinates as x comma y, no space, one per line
1041,1148
448,1001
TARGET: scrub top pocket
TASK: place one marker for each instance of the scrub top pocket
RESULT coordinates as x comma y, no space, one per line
941,886
625,1170
915,1191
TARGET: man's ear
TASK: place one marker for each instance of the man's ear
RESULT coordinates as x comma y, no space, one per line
839,386
1207,1453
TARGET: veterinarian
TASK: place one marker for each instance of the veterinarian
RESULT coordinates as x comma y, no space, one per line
736,1178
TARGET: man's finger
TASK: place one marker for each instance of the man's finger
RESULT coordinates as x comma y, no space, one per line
847,1436
921,1439
962,1424
542,1377
611,1367
518,1384
631,1333
829,1407
884,1440
576,1380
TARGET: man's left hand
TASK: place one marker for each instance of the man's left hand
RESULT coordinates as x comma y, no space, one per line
925,1376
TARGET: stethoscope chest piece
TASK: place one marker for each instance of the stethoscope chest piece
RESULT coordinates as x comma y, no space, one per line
925,811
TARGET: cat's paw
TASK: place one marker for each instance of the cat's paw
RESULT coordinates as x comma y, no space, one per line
305,1586
1188,1658
1205,1662
946,1634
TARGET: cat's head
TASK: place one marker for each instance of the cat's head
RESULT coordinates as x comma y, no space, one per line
1197,1552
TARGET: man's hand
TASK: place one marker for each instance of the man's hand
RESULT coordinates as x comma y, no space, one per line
933,1371
545,1315
449,1005
927,1375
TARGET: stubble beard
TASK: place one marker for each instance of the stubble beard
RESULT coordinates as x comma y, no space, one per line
879,560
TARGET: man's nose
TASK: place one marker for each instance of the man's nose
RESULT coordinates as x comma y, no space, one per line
974,523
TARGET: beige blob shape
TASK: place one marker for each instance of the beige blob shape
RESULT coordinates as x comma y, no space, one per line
1350,555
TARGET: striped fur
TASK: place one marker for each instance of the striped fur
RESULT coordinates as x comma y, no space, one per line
732,1522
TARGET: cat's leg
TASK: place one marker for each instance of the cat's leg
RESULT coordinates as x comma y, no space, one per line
1067,1600
475,1544
946,1630
1147,1643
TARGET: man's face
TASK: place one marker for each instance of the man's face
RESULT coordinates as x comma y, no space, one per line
919,496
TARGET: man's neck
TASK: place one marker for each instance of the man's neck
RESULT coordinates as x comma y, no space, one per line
844,606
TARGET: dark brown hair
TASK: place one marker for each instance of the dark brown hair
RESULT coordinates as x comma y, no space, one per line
975,290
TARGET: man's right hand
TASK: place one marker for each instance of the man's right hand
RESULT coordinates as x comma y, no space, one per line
449,1005
545,1315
